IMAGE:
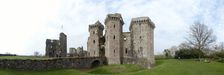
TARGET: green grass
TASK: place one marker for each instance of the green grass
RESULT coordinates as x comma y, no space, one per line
31,57
52,72
116,69
186,67
163,67
23,57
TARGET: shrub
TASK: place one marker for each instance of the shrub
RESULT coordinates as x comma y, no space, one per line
188,54
158,57
218,56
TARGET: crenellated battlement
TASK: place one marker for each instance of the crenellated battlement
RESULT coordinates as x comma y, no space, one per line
115,17
96,25
141,20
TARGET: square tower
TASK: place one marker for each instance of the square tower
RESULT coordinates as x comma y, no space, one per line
63,44
113,36
94,40
142,30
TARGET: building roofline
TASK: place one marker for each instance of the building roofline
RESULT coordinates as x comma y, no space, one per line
144,19
114,16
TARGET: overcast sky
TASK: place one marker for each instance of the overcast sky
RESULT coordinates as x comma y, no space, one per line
26,24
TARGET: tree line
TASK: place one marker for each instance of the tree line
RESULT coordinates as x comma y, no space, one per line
199,43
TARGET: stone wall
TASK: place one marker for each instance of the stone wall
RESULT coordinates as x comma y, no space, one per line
127,49
54,63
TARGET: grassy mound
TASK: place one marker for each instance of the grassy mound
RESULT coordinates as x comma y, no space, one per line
116,69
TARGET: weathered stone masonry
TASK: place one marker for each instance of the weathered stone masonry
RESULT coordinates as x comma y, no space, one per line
57,48
53,63
114,47
134,47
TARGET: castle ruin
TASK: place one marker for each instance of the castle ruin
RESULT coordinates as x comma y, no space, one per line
134,47
112,47
57,48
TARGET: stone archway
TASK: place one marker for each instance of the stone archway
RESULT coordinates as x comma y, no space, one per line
95,63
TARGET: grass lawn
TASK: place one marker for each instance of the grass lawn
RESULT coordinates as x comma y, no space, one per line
30,57
163,67
184,67
23,57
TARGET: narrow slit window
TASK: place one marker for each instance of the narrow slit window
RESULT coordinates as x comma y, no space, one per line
114,52
126,50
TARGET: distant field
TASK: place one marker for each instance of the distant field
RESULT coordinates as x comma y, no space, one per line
163,67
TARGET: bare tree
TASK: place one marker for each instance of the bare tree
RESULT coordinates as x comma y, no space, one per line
184,45
219,47
200,36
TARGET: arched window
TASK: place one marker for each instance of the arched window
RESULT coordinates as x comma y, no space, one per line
114,25
94,41
114,36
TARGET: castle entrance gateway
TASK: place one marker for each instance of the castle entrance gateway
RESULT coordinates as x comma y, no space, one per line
95,63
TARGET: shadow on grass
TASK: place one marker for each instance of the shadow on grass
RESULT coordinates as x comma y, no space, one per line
116,69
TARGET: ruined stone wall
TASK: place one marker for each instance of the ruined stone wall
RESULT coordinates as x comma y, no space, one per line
52,48
72,52
50,64
57,48
113,35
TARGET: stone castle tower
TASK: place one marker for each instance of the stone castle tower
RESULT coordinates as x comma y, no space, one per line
134,47
113,36
57,48
94,43
141,29
63,44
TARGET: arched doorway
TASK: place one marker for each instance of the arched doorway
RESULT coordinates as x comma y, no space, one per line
95,63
